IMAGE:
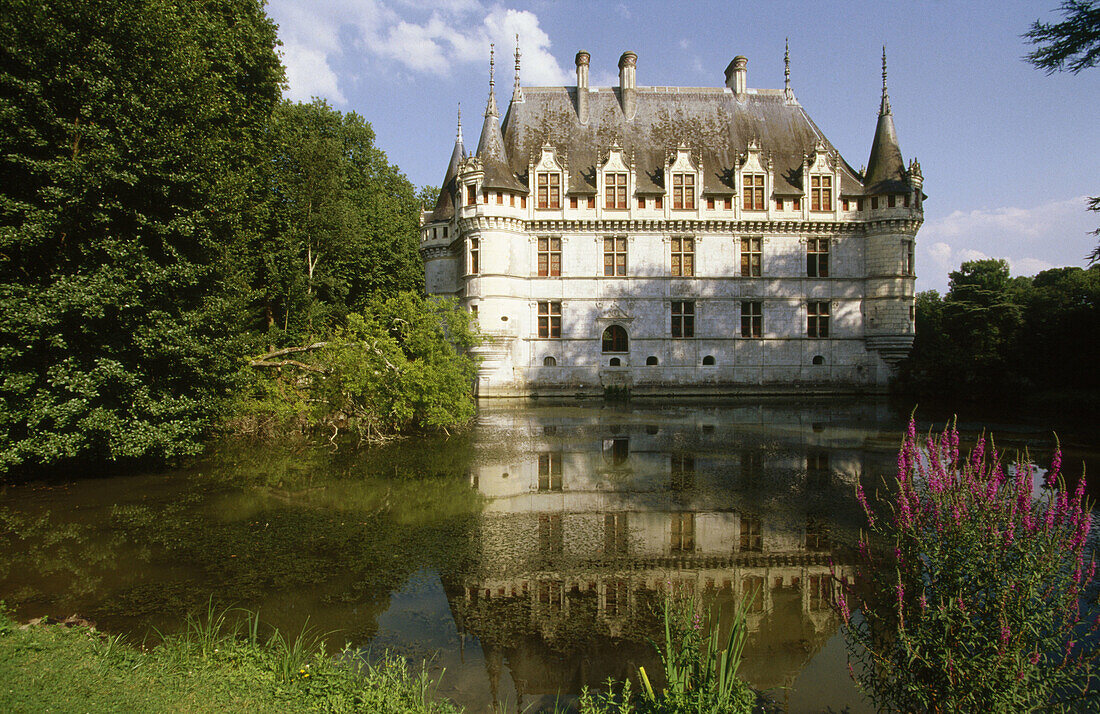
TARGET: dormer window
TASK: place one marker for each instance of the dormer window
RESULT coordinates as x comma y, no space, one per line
615,191
753,192
683,191
821,193
549,187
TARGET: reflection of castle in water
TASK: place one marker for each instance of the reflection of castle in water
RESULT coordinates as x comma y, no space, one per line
586,525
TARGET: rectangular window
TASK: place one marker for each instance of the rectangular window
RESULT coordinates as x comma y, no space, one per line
549,257
551,541
444,231
752,257
907,200
891,200
859,204
615,191
572,201
591,201
817,534
659,202
683,191
710,203
752,319
845,204
523,202
752,592
500,198
820,594
683,532
728,204
682,473
614,256
779,204
817,257
549,185
821,193
616,537
683,318
511,199
471,194
484,195
874,203
550,320
751,537
683,257
753,192
910,258
641,202
550,472
475,256
817,318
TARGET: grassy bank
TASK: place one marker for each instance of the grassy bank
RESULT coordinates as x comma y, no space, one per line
210,667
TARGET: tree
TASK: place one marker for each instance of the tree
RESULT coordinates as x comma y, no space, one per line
129,130
1074,45
342,223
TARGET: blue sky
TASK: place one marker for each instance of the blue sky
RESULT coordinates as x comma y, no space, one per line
1008,153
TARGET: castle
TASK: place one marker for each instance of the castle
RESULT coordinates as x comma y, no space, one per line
675,241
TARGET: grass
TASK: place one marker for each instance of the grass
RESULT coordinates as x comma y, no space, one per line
219,663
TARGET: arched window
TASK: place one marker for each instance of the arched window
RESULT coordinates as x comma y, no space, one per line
614,339
615,362
549,362
819,360
651,361
708,361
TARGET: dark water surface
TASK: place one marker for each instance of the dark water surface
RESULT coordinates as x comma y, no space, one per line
527,558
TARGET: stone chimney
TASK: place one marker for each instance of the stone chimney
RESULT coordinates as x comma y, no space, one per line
627,86
583,58
735,74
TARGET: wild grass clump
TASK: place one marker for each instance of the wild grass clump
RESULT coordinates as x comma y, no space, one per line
700,667
973,595
222,660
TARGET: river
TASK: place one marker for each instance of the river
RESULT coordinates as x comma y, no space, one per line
525,558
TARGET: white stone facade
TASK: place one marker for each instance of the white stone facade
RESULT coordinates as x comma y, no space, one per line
835,288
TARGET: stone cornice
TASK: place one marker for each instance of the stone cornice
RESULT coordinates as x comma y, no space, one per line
660,225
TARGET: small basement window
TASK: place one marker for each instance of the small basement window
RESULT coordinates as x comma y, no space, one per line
549,362
819,360
615,362
651,361
708,361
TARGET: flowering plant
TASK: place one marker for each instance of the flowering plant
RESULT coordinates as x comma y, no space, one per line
970,593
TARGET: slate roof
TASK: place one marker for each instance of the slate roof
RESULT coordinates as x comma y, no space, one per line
885,168
444,205
712,121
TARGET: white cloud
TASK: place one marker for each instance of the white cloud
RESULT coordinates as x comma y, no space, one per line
1030,239
403,33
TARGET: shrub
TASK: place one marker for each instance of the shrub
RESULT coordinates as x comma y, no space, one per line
975,602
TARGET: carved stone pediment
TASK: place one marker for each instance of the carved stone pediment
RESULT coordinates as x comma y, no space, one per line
612,312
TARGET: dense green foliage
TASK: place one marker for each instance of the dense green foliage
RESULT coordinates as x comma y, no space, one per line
129,134
163,214
975,595
341,225
991,334
220,663
401,364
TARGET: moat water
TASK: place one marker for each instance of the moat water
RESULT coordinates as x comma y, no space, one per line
525,559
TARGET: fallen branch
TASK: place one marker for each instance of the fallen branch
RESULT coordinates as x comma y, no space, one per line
287,363
289,351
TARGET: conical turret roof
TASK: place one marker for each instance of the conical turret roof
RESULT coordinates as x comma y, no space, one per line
444,205
885,167
490,148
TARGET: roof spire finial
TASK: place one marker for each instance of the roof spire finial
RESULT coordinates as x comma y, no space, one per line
491,107
787,70
492,63
458,137
885,107
517,92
